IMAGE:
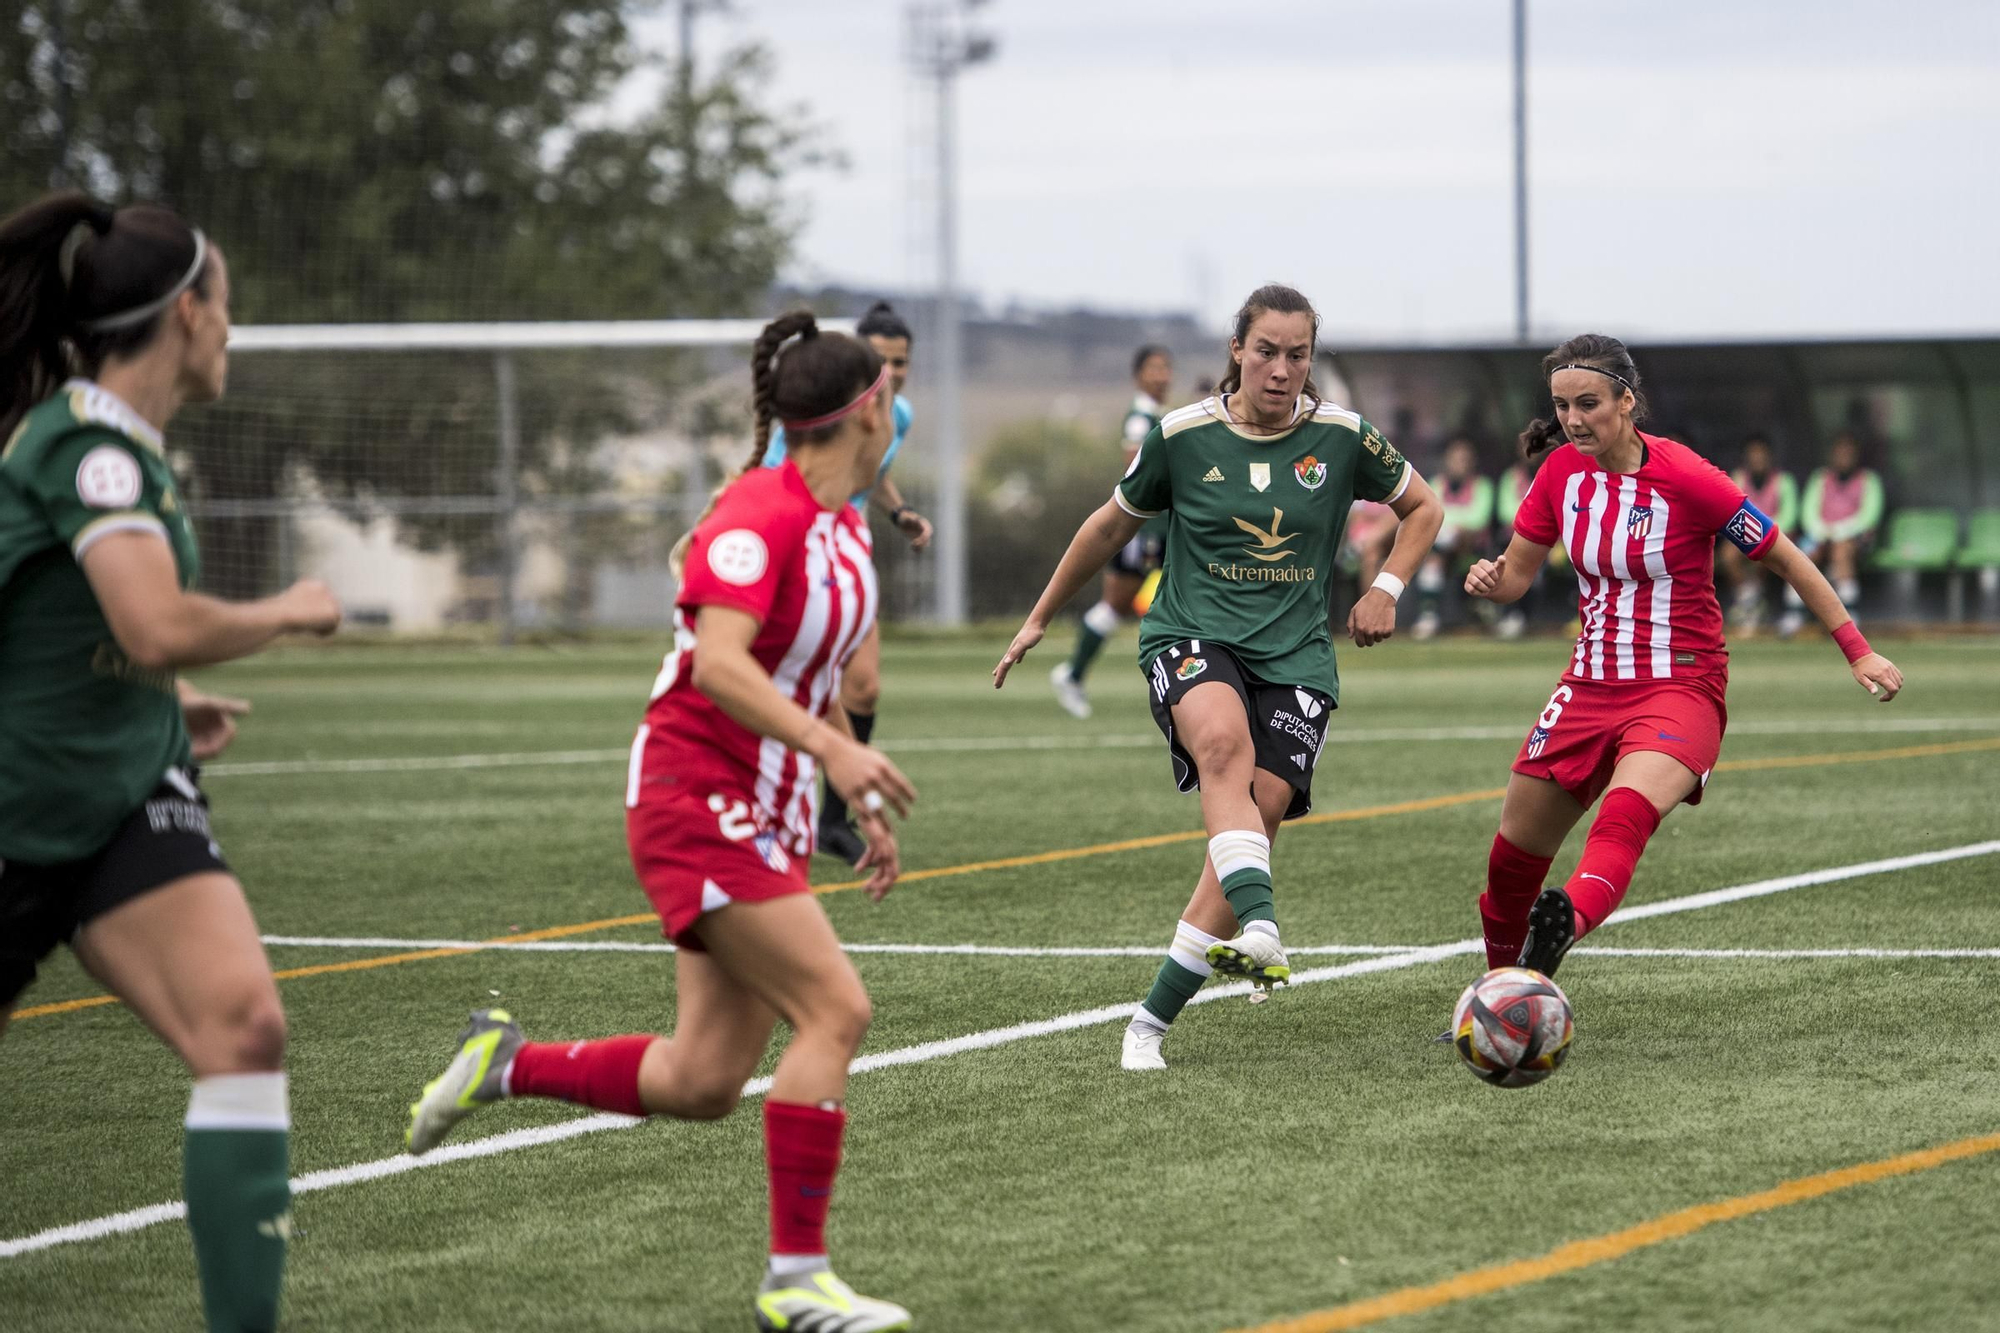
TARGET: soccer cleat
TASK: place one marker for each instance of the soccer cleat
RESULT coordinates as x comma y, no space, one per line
822,1303
1069,692
1551,930
838,838
470,1081
1256,956
1142,1047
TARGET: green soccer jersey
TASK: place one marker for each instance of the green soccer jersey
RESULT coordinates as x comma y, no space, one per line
1140,421
85,734
1257,523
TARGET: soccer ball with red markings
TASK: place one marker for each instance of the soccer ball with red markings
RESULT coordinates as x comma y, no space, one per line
1512,1027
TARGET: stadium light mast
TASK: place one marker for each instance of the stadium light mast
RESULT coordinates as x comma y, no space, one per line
942,42
1521,171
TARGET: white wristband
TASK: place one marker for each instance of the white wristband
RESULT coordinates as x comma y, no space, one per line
1390,584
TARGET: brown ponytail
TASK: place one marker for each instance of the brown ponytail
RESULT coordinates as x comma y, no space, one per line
820,373
68,262
1272,297
1598,351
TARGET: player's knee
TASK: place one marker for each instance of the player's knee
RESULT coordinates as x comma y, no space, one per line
707,1095
1220,752
246,1036
842,1017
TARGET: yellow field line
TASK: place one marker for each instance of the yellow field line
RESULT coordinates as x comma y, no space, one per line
1418,806
1602,1249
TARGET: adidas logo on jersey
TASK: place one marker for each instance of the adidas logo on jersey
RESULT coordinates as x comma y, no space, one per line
1214,474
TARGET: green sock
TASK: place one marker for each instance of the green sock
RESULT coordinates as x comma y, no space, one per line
1172,989
1249,894
1088,641
236,1162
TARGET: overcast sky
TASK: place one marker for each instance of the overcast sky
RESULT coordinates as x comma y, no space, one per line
1697,167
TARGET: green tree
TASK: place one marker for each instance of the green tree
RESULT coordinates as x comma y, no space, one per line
383,160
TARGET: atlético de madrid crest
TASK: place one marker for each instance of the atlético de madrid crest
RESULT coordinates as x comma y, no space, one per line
1311,472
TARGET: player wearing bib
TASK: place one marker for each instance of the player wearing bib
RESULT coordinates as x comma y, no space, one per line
1639,713
777,590
1774,492
1153,376
1840,512
1259,480
1467,498
113,320
861,683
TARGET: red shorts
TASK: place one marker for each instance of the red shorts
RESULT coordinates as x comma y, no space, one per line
696,849
1590,725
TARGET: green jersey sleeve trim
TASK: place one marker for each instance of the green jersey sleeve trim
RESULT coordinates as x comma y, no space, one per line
131,520
1118,494
1401,486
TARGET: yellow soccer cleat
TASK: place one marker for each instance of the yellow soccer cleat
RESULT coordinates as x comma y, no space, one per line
470,1081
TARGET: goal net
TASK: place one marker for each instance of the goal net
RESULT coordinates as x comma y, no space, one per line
513,476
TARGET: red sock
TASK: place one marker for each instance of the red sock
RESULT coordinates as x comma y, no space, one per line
802,1148
1617,836
1513,881
601,1074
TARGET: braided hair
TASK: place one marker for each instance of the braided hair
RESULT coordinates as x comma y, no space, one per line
817,374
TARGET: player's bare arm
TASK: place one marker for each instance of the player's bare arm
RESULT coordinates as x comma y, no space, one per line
725,671
1507,579
1872,671
1102,536
160,627
1420,514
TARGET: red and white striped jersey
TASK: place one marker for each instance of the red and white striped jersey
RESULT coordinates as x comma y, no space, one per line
807,575
1643,544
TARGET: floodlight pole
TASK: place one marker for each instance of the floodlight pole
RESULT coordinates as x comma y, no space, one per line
940,46
1521,170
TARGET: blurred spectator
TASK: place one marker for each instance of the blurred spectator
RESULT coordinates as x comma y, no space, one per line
1841,511
1467,531
1776,493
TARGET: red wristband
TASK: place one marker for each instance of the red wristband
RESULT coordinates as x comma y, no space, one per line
1851,642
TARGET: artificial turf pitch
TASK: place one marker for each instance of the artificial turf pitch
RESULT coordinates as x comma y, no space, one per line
1310,1152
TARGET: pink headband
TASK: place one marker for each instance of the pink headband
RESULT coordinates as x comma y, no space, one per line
814,423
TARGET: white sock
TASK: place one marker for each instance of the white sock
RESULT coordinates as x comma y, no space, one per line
1102,619
1143,1018
1190,948
797,1265
1262,927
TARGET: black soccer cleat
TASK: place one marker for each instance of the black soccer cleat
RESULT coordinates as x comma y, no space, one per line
838,838
1551,930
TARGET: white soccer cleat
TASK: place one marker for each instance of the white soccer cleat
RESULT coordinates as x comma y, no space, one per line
1256,956
822,1303
1142,1047
1426,626
1069,692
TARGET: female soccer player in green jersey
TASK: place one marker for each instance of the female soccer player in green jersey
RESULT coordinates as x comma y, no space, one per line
109,322
1259,480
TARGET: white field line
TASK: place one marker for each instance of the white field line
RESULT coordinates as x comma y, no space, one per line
982,744
923,1052
1077,951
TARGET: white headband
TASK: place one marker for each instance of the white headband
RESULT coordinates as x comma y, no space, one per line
139,315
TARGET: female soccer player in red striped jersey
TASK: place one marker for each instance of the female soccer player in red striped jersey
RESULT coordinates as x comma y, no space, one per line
1639,714
777,589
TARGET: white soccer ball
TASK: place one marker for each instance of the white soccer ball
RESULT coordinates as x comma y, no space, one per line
1512,1027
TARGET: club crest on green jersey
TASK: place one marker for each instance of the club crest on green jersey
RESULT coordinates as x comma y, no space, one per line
1191,668
1260,476
1311,472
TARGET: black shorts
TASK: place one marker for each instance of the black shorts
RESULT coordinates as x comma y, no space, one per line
1287,722
1140,556
42,906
